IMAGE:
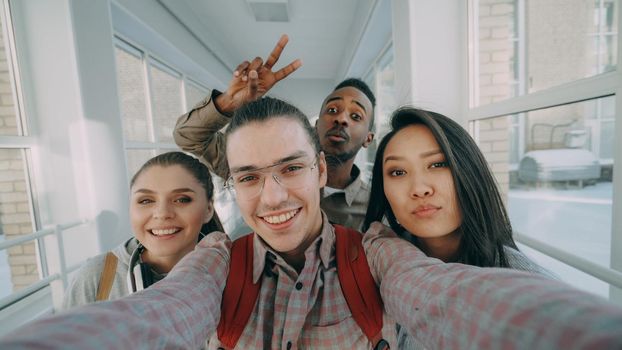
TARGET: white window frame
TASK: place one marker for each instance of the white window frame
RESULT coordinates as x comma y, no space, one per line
150,59
22,305
603,85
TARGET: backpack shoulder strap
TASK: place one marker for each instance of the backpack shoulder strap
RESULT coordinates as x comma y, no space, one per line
358,285
107,277
240,294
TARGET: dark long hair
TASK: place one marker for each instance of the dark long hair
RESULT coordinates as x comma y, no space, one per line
198,170
485,227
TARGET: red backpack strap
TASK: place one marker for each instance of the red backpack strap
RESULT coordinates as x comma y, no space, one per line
358,285
240,294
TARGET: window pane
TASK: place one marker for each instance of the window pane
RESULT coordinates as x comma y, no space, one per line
560,191
386,92
384,82
567,273
9,122
18,267
136,158
15,208
194,95
20,262
543,44
166,94
131,84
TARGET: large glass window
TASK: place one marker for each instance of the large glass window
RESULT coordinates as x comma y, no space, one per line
527,46
559,190
381,79
194,94
166,90
152,96
19,264
131,84
543,93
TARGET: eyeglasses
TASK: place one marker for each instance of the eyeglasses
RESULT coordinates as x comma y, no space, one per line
248,185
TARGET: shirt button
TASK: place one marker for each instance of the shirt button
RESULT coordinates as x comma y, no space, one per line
299,285
289,343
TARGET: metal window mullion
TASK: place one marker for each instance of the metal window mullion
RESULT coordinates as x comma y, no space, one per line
577,91
128,47
25,239
14,73
161,65
26,291
615,294
31,194
61,254
149,99
184,97
522,48
602,273
600,38
473,53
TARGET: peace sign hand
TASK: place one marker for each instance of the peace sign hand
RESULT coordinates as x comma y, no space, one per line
251,80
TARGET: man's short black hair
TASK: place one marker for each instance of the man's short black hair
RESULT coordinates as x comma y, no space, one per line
364,88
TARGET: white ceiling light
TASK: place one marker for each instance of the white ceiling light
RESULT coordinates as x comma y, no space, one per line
269,10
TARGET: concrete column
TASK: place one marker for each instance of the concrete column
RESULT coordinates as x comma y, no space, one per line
430,46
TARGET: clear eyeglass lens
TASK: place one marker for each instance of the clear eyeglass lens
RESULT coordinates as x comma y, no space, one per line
250,184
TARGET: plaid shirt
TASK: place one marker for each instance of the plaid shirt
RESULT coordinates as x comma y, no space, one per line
445,306
315,316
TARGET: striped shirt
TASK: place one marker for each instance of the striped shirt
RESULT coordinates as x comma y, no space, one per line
445,306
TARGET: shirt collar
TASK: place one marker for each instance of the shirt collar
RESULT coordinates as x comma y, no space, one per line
354,187
264,254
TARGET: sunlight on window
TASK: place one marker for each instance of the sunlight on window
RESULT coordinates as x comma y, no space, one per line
555,168
527,46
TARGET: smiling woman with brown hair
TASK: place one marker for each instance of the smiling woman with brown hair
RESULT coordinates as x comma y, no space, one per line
171,209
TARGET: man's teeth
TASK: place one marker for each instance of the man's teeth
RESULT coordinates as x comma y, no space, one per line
164,232
279,219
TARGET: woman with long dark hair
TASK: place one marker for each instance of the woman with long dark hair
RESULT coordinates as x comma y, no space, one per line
432,184
171,210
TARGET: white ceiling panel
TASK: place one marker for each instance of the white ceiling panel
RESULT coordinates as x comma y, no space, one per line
323,33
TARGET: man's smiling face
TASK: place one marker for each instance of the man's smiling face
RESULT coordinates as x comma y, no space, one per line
288,218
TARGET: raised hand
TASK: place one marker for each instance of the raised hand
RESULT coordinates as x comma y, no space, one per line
252,80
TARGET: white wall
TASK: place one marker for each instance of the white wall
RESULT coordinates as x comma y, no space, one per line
71,99
430,54
306,94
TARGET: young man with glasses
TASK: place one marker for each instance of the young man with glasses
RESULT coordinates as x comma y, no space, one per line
277,171
344,126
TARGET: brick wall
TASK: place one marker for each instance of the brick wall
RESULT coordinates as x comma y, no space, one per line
496,25
496,54
557,51
15,218
493,141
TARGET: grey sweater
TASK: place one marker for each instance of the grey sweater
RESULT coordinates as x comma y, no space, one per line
83,288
